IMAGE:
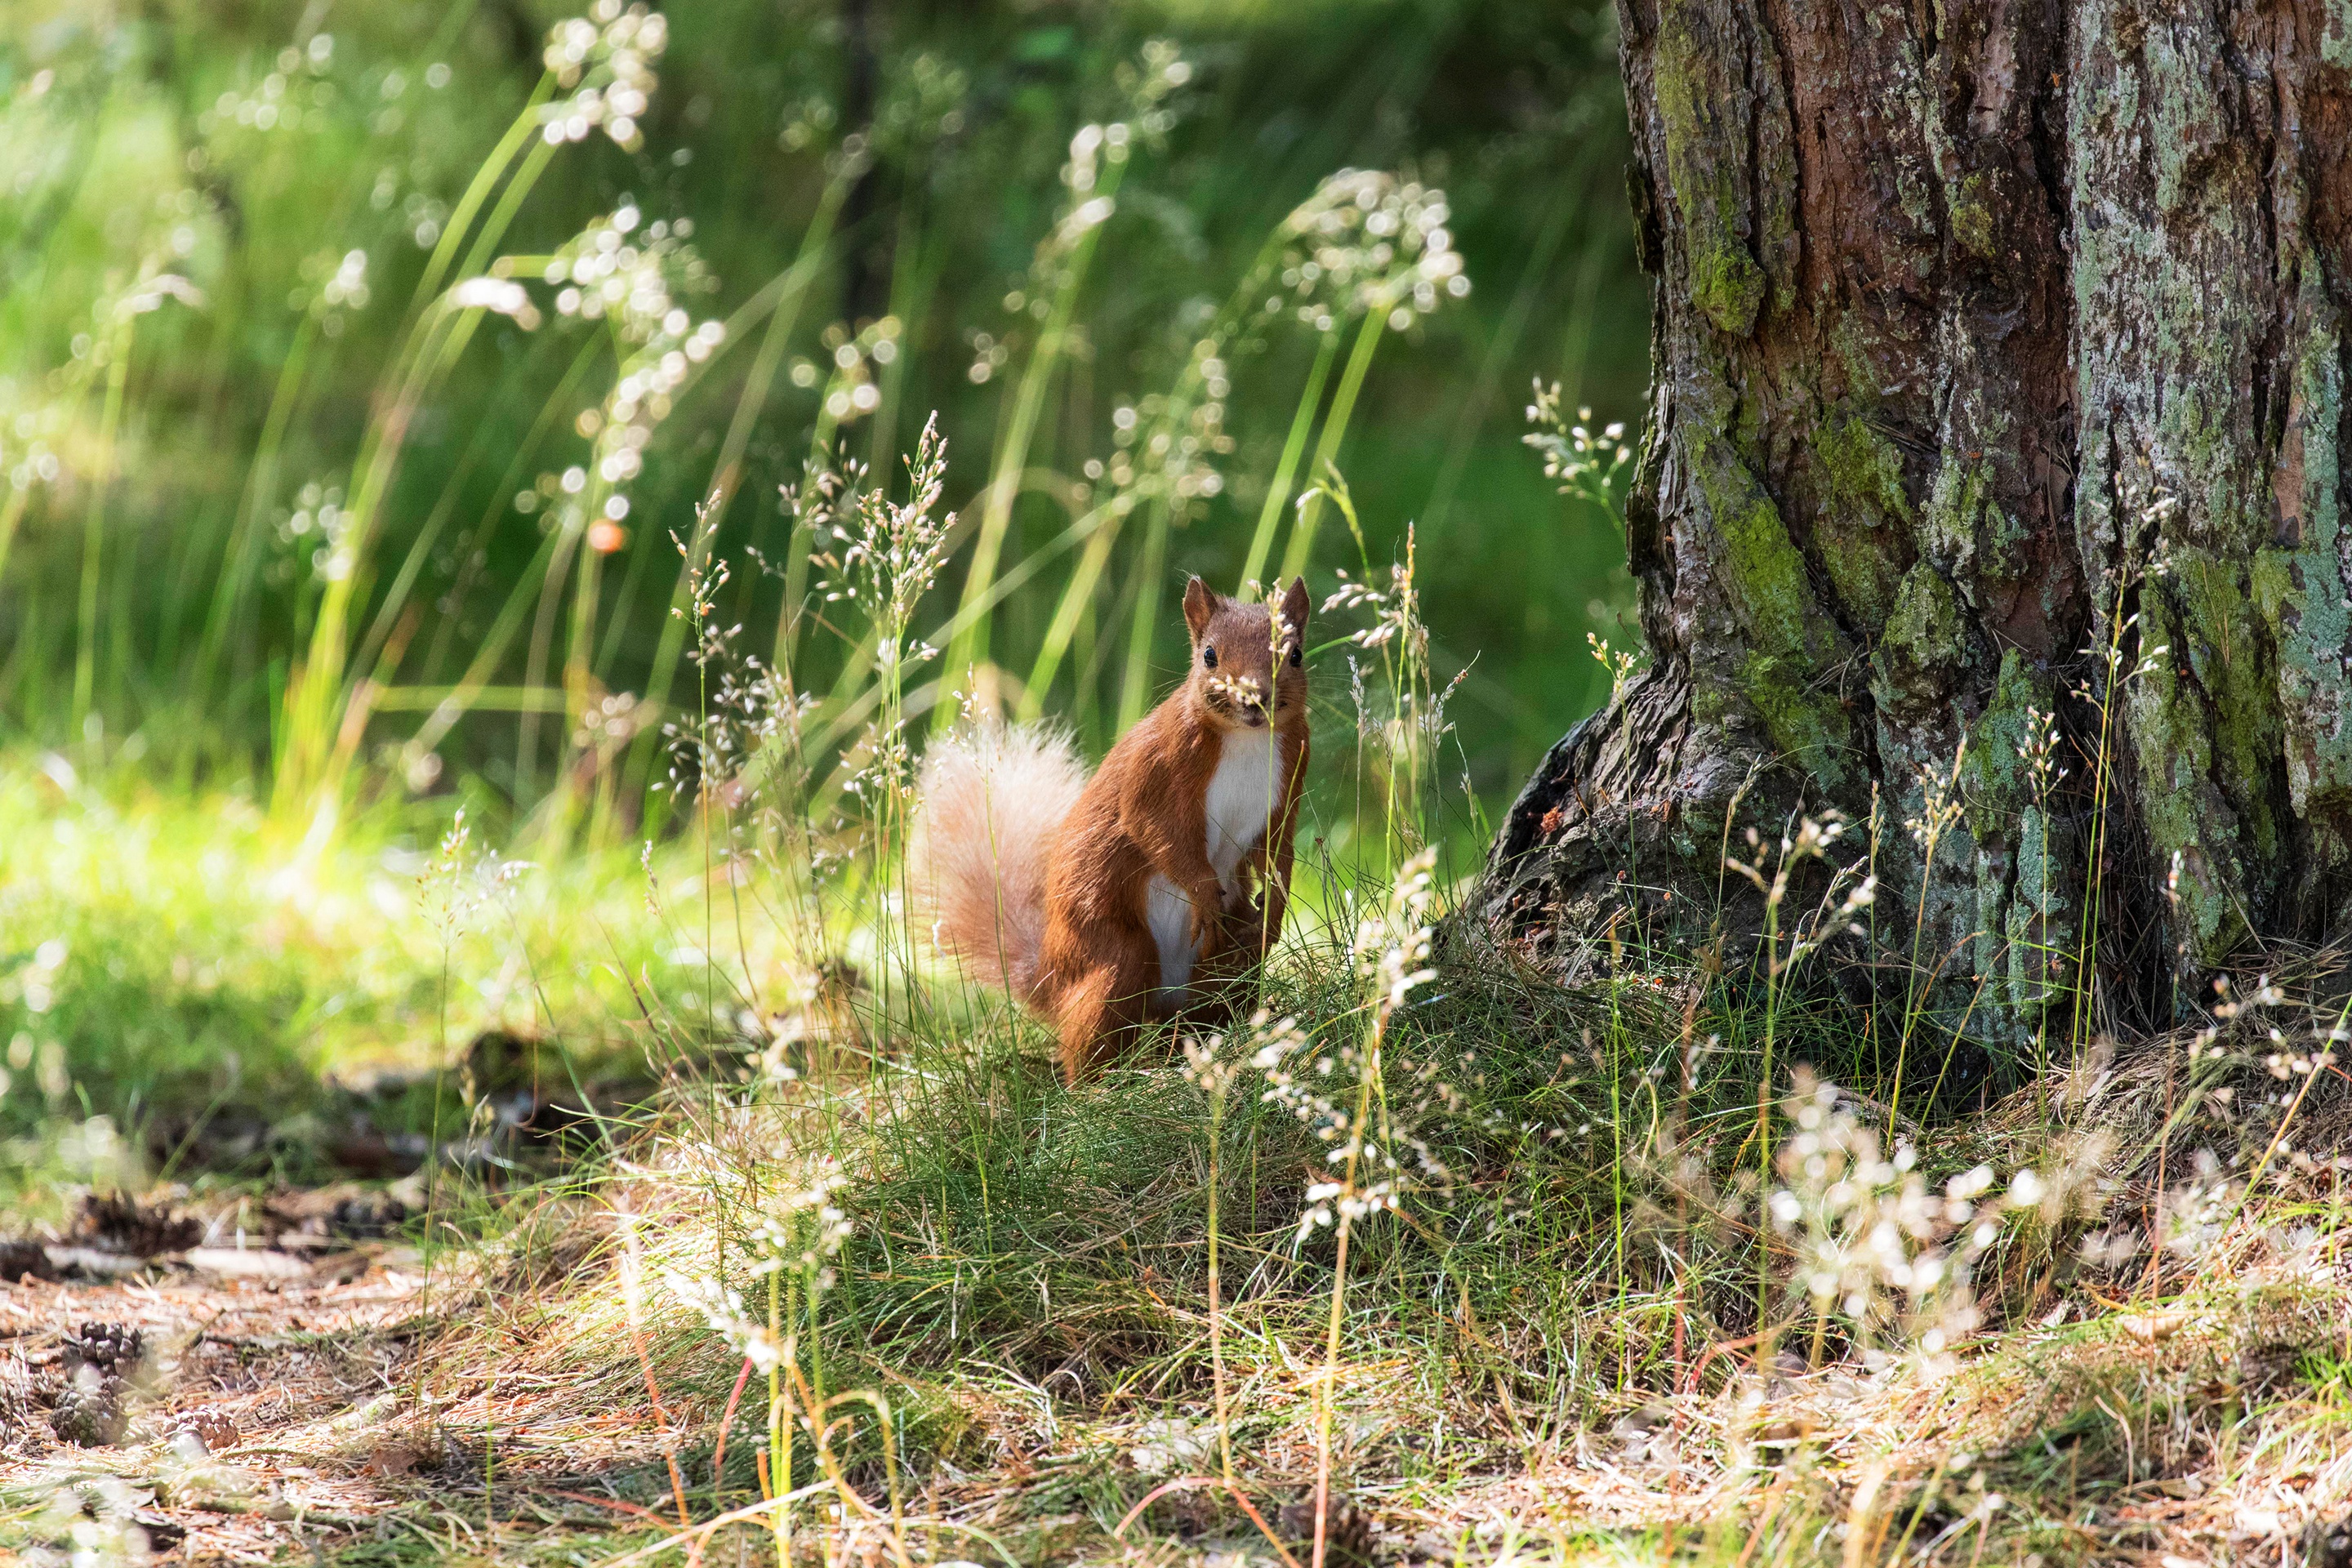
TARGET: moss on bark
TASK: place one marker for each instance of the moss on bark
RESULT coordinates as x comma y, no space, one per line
1705,178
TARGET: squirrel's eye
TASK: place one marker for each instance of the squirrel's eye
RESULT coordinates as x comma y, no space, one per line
1294,656
1208,658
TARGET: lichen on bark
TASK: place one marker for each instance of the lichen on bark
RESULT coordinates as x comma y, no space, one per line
2303,590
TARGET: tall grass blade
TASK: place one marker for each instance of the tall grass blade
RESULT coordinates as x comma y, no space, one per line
1286,471
118,370
1078,235
1300,552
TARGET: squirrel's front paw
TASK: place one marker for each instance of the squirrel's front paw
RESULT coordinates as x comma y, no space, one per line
1208,926
1245,935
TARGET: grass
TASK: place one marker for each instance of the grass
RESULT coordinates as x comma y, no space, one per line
1520,1269
1545,1354
177,964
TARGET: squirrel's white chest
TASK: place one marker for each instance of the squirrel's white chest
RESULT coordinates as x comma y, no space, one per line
1242,795
1240,798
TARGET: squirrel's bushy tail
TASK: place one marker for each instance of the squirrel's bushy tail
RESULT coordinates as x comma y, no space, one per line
987,805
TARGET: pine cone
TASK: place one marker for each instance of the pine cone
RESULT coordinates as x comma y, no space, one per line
2329,1544
1348,1534
90,1411
99,1362
367,1216
214,1428
113,1350
118,1224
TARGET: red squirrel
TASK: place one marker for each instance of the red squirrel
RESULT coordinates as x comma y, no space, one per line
1108,902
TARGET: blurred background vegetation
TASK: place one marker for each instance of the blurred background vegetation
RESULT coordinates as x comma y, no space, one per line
364,367
226,226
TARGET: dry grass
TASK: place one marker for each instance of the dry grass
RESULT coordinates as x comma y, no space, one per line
2208,1426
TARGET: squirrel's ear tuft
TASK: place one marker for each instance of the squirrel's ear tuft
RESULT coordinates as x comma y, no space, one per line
1294,605
1198,605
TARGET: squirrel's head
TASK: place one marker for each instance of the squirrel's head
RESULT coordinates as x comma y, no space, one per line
1249,661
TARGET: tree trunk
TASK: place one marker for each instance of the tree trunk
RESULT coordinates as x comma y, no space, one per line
1988,336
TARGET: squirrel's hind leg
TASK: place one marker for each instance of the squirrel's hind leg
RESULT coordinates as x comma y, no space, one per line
1101,1007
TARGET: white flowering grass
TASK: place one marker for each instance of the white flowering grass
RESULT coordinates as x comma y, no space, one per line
1098,160
1363,1174
1883,1253
603,62
952,1238
1400,722
1590,466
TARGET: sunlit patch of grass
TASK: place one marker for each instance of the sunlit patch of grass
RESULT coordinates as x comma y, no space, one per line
172,963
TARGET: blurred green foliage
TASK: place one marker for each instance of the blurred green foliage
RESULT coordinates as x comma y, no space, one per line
217,215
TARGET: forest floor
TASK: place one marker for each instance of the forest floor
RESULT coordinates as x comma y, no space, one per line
318,1395
378,1301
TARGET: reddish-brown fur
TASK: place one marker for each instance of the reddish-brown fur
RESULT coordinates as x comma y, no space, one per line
1144,814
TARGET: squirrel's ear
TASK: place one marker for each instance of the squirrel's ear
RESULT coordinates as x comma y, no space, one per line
1198,602
1294,605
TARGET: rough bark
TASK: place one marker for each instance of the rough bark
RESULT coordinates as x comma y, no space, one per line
1946,295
